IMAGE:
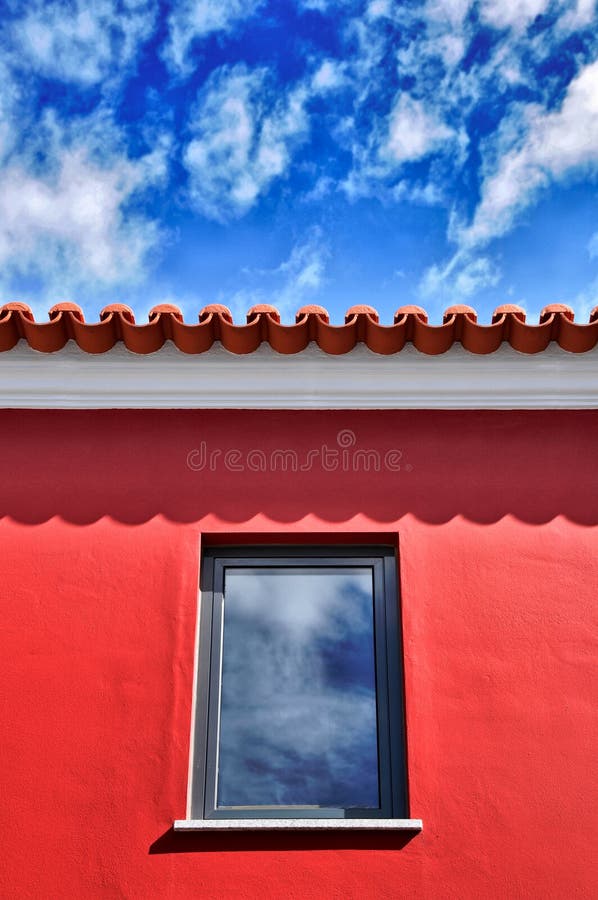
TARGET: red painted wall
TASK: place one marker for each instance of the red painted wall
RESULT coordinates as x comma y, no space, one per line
497,517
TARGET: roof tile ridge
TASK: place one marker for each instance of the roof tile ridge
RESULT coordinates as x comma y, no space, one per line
575,337
14,317
410,324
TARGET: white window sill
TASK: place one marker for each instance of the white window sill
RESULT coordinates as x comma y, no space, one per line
298,824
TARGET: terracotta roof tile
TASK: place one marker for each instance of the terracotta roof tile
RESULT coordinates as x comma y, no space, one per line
321,313
125,311
501,311
460,326
165,309
215,309
263,309
403,311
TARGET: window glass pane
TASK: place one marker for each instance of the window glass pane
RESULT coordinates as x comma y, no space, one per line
298,692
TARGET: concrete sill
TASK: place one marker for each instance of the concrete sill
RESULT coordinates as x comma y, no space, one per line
298,824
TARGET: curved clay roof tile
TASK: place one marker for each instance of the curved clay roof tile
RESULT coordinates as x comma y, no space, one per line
306,311
362,326
165,309
404,311
508,309
361,310
459,310
216,309
16,307
118,309
58,309
263,309
554,309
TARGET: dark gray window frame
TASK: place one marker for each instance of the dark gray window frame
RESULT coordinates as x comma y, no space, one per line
389,675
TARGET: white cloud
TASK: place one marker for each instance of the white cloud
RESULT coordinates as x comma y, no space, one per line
413,131
288,286
192,20
244,134
244,130
323,186
579,15
460,279
322,5
81,42
432,115
9,97
424,194
427,44
303,271
70,194
410,132
585,301
329,76
67,221
475,275
378,8
451,12
517,14
442,35
537,148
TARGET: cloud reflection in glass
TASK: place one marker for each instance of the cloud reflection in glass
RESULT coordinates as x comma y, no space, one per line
298,699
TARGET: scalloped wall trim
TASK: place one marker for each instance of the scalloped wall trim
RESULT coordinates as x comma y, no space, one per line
360,379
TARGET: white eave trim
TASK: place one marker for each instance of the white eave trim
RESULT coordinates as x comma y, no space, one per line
298,825
361,379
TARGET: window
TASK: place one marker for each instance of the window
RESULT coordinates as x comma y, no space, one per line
298,708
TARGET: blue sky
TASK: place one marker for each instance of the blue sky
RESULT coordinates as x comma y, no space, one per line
307,151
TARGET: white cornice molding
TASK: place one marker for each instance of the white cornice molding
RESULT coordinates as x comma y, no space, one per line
361,379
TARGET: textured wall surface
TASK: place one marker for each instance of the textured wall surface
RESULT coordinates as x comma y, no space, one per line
102,517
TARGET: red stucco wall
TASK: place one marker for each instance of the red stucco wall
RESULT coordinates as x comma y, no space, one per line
497,517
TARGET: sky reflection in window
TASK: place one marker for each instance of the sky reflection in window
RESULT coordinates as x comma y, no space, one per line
298,701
